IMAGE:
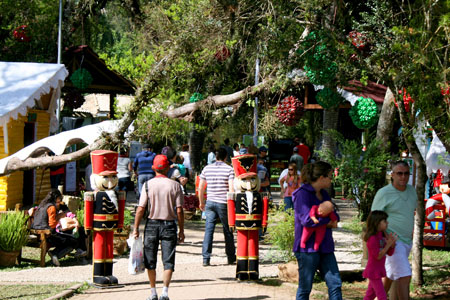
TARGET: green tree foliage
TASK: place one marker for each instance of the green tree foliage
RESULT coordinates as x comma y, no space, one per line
358,170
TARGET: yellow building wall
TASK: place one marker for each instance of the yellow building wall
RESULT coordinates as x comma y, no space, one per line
11,186
42,176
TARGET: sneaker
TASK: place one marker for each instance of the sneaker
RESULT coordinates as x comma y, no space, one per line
55,260
80,253
164,298
153,297
206,263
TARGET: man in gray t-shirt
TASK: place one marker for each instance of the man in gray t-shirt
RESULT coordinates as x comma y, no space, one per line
159,196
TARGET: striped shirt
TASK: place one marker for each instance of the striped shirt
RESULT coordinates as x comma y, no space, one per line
217,176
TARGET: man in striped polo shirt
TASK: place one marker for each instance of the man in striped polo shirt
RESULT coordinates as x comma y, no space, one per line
219,178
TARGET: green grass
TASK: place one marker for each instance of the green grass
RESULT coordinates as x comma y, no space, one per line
353,225
35,291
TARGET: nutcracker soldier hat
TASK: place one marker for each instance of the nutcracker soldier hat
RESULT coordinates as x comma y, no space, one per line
104,162
244,165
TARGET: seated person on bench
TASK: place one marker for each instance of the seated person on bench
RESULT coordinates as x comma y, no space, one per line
46,216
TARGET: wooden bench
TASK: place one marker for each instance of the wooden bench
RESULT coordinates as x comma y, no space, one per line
37,238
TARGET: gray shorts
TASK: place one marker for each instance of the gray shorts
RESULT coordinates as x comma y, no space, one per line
156,231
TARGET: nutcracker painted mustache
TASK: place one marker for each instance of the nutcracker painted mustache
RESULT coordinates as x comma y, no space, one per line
103,214
247,213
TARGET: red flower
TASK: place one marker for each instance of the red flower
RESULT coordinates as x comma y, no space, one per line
406,99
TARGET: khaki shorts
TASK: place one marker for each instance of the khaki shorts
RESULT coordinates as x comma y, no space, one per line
397,265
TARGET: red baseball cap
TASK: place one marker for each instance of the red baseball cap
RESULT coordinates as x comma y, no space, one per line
160,162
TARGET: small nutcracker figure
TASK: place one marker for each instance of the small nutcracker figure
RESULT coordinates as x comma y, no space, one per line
247,212
103,214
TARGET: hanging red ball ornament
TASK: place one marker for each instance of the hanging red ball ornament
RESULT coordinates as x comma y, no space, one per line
74,99
289,110
407,100
358,39
222,54
21,34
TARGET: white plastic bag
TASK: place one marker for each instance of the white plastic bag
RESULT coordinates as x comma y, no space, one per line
136,260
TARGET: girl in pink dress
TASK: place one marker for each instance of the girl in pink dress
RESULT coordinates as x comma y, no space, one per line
378,245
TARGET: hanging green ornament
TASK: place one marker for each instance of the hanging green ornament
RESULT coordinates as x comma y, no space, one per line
319,55
322,75
328,98
196,97
364,113
81,78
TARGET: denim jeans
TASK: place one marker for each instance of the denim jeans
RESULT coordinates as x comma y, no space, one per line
326,263
217,211
288,203
141,180
156,231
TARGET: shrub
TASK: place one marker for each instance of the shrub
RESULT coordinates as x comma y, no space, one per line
280,232
359,171
13,231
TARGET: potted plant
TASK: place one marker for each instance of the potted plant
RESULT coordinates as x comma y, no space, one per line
13,236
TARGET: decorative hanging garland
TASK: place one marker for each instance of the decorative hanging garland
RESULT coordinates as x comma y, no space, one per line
289,110
364,113
81,78
21,34
74,99
407,100
328,98
196,97
358,39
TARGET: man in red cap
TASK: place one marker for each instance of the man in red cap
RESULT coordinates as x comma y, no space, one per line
247,212
159,196
103,213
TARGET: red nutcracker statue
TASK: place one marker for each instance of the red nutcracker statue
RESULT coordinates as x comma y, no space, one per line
103,213
247,212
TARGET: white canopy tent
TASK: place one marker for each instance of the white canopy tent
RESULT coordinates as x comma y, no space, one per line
58,143
21,87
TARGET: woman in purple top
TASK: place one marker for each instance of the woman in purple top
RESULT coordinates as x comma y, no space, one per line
316,177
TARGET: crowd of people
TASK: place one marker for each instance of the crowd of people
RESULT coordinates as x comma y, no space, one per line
161,186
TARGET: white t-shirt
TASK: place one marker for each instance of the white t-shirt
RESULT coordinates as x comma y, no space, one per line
187,160
122,167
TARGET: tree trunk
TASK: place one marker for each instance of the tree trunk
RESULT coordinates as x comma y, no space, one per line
196,140
386,121
384,130
419,222
330,121
421,178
